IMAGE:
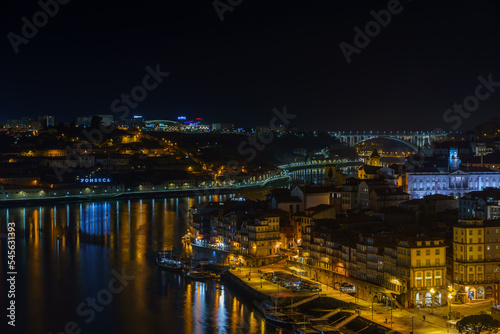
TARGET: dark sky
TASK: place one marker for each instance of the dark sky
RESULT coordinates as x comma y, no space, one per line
264,54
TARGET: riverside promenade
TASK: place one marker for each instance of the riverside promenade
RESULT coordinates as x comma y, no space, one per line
102,192
402,319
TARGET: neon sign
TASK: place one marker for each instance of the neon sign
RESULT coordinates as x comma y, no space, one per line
95,180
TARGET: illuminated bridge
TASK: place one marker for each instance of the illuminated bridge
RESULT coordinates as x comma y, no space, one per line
413,139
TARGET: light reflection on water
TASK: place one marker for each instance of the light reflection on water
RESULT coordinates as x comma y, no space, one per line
66,254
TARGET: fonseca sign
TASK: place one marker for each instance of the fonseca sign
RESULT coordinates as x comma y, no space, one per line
95,180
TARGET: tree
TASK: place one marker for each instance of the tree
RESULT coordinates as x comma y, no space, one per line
477,323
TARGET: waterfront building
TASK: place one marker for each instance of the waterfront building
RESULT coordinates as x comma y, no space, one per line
303,219
300,221
264,238
287,238
422,267
322,245
476,258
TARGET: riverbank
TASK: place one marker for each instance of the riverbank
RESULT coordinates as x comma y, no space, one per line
77,195
262,293
416,320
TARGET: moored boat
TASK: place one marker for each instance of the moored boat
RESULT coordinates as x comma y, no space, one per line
196,275
325,329
164,262
303,328
280,320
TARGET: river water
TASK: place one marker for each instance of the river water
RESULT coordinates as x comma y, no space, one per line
89,266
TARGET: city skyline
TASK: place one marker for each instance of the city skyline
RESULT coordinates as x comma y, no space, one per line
416,65
231,166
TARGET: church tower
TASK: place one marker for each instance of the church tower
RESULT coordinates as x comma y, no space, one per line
374,159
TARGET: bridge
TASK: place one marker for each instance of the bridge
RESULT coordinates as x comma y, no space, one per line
321,163
413,139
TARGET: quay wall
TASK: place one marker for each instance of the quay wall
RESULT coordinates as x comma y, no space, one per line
256,298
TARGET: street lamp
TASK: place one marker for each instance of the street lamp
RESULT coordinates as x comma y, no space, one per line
391,312
449,304
372,304
432,300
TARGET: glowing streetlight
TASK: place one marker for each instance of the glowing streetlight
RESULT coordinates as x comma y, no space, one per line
449,302
432,300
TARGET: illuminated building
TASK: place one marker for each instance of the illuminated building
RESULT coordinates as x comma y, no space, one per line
422,263
368,172
264,238
47,120
428,181
476,258
350,194
374,159
334,176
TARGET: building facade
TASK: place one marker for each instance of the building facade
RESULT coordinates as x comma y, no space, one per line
480,205
430,181
422,264
476,258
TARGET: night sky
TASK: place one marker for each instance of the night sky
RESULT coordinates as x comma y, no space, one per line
263,55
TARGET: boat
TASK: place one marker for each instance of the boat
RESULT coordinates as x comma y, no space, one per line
196,275
165,262
281,320
325,329
276,317
303,328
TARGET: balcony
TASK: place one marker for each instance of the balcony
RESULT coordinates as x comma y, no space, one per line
473,282
476,261
426,266
264,239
